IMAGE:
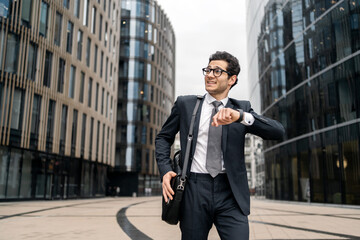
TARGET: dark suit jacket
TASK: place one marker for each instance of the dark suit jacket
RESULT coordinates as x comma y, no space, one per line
233,139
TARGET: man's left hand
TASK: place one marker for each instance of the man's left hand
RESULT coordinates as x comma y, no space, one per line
225,116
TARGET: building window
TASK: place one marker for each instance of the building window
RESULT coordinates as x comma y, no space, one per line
44,12
107,105
97,141
61,75
101,63
96,96
12,51
95,58
107,144
86,11
110,41
50,125
111,108
58,26
72,81
123,69
5,8
35,120
2,94
73,132
79,45
148,73
91,137
111,68
111,144
2,42
47,69
100,27
88,46
31,61
106,69
17,109
143,135
26,10
93,20
89,91
69,39
66,4
77,8
102,101
17,112
151,136
82,82
109,8
83,134
125,28
106,35
63,129
103,143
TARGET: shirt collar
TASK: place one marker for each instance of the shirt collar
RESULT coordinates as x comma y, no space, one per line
209,99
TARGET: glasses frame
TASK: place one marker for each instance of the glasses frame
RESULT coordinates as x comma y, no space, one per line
212,70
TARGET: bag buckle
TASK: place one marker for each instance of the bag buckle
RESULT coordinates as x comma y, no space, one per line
181,185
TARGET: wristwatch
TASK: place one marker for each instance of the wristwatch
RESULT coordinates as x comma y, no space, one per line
241,115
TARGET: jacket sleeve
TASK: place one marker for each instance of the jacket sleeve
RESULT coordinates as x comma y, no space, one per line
264,127
165,139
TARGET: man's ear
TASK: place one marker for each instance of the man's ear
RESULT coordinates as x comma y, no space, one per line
232,80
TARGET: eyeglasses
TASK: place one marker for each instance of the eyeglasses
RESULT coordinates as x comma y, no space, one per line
216,71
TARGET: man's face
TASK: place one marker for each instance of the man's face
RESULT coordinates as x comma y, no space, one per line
218,86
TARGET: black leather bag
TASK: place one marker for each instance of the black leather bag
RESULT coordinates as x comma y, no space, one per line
171,208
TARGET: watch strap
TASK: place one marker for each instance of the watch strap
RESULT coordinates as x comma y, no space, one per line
241,118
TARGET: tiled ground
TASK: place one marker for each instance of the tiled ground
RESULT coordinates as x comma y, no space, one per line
140,219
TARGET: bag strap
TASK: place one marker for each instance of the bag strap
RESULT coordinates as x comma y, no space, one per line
190,138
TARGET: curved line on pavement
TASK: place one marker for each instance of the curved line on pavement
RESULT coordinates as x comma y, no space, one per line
307,229
127,226
47,209
317,214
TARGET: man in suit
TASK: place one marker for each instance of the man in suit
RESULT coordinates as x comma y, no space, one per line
216,190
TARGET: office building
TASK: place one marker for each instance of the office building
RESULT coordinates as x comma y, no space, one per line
58,85
146,93
255,166
307,57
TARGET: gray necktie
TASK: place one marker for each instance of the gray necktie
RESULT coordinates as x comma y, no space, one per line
213,155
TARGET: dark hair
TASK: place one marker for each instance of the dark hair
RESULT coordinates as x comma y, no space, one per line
233,63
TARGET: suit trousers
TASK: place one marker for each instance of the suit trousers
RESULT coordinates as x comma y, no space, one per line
209,201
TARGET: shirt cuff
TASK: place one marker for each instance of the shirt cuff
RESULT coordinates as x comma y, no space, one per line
248,119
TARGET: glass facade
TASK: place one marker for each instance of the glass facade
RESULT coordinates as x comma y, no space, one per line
146,68
308,76
48,120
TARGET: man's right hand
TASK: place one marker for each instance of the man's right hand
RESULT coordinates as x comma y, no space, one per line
166,186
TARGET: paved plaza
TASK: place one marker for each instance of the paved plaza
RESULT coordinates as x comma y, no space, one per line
139,218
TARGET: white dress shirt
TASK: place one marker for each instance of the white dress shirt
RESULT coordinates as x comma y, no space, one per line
199,161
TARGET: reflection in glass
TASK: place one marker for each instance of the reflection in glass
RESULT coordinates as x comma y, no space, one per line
44,18
58,27
31,61
47,69
74,132
61,75
12,51
72,81
17,109
50,125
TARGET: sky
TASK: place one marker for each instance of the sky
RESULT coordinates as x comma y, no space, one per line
203,27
